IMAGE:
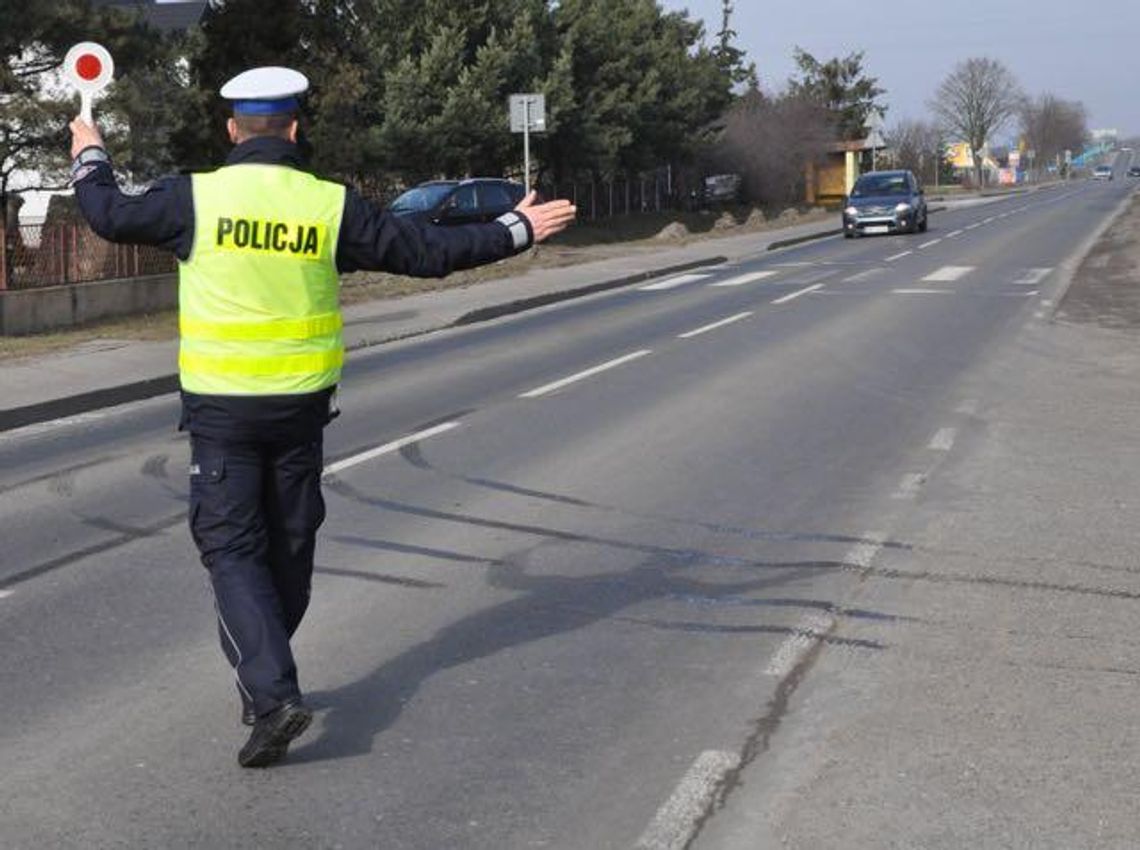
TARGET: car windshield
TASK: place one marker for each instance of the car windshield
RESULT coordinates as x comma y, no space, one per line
870,185
421,198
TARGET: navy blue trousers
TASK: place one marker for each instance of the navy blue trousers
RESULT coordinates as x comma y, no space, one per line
255,507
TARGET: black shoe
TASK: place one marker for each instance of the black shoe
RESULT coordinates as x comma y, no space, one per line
269,740
248,715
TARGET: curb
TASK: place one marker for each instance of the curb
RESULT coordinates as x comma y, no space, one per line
485,314
44,411
799,240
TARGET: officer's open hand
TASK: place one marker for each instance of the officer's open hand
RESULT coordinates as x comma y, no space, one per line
83,136
546,219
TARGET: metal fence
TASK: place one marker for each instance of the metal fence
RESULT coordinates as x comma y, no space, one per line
620,196
35,256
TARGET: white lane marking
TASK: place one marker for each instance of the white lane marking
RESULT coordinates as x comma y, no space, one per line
4,594
909,486
968,407
923,291
715,325
863,554
863,275
928,244
974,226
671,282
948,273
794,295
1032,277
809,629
1040,314
594,370
388,448
1046,302
943,440
740,280
894,257
953,233
987,220
812,627
673,826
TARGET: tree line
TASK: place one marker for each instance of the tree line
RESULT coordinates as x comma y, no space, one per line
406,90
401,90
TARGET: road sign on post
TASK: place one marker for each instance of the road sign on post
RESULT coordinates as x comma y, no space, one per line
528,115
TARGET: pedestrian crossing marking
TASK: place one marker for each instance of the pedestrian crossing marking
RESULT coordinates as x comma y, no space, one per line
948,273
671,282
741,280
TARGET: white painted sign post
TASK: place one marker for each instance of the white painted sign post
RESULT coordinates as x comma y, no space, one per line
528,112
90,68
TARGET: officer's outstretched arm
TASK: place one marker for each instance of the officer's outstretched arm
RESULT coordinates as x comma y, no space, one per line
162,214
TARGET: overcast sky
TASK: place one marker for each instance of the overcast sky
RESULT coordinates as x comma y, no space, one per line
1080,51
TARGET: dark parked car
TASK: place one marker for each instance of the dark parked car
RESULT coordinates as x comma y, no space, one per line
1134,171
459,201
884,202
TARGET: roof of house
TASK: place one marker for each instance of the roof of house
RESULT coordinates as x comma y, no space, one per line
165,17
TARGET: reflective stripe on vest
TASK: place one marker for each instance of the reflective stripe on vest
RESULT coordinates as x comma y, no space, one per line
258,295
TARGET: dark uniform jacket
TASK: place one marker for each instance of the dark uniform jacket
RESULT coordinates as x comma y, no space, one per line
370,240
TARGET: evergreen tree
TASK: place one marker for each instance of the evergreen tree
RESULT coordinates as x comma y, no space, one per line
841,86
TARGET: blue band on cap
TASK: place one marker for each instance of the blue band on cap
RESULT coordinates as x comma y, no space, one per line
266,107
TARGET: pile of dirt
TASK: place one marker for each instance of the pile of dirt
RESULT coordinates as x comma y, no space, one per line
672,232
756,218
789,216
726,221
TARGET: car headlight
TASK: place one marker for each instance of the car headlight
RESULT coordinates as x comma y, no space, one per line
902,208
851,211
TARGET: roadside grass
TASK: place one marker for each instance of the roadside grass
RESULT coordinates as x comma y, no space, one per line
585,242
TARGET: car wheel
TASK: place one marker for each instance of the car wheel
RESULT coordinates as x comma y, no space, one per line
922,227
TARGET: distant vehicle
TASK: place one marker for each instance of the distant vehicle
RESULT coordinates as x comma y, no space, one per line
885,202
1102,172
459,201
1134,171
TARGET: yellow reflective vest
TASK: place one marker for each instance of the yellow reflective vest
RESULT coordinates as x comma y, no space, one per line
258,296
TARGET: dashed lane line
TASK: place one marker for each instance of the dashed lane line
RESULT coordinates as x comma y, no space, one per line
601,367
1032,277
816,625
953,233
943,440
4,594
387,448
741,280
712,327
673,826
928,244
867,274
894,257
909,486
915,291
794,295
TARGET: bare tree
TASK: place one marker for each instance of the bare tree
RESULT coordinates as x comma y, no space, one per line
770,140
918,146
975,101
1051,126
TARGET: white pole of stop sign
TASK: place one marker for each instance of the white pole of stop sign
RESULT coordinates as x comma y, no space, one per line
89,68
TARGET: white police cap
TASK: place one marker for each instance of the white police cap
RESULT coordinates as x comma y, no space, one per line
265,91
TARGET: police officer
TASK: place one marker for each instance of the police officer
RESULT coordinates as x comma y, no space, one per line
260,243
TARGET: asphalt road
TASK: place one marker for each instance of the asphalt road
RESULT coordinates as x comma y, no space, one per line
562,616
